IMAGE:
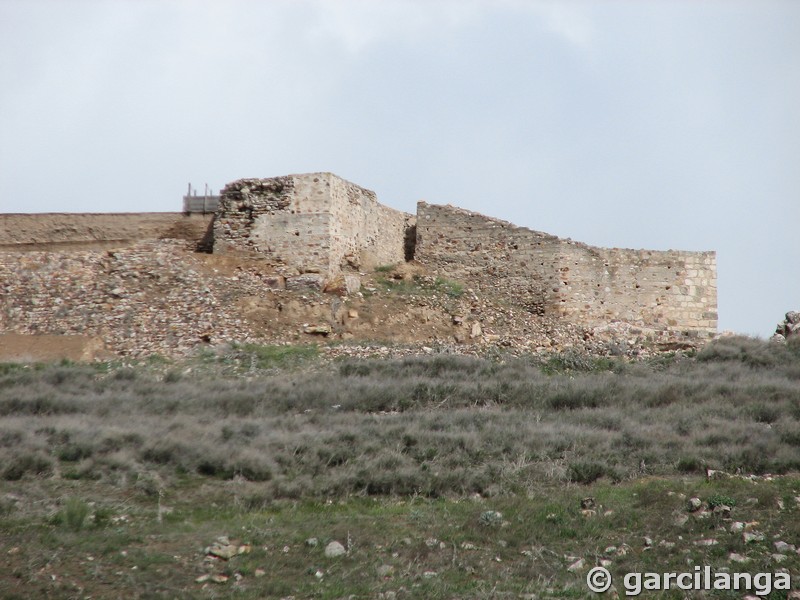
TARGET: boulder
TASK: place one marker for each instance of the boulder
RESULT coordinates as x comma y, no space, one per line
334,549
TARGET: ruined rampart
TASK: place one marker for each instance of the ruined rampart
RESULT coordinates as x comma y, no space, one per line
134,284
668,291
78,231
314,223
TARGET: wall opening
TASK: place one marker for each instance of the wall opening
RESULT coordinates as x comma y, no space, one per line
410,245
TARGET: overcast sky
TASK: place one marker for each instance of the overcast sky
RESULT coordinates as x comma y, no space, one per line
634,124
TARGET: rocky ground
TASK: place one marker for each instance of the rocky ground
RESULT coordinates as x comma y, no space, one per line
163,297
68,540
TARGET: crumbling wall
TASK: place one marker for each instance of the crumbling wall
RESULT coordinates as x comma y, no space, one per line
313,223
150,297
64,231
667,291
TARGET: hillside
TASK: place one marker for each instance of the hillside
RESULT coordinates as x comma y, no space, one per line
164,297
276,472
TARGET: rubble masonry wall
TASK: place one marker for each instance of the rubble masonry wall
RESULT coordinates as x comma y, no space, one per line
364,233
669,291
314,223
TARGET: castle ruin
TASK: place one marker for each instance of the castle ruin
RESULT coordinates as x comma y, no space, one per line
136,283
321,224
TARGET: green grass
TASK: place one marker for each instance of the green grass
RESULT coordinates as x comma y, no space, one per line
420,286
436,548
271,357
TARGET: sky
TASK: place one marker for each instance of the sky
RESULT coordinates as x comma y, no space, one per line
628,123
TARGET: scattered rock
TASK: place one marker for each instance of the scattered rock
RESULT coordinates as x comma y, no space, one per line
309,281
578,565
476,330
694,504
779,558
787,328
723,510
322,329
783,547
737,558
334,549
312,542
753,536
385,571
224,549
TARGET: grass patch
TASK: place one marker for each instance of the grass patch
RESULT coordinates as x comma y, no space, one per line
466,547
420,285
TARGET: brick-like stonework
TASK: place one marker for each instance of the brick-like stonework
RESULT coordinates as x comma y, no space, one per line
668,291
314,223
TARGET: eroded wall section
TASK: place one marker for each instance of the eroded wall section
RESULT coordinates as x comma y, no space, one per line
64,231
314,223
667,291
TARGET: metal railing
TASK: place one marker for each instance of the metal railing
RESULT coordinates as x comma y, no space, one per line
207,203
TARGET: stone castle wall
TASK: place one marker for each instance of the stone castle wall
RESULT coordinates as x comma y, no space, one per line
667,291
317,230
364,233
314,223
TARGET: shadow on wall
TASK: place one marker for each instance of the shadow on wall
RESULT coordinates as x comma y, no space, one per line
206,243
410,242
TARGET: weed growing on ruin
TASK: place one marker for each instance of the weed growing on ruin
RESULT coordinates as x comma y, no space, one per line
419,285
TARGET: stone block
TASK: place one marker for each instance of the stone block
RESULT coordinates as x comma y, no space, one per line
307,281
